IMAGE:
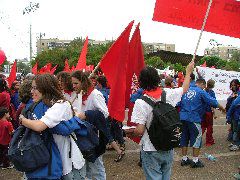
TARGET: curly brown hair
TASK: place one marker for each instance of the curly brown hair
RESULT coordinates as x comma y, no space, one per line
86,83
25,91
66,80
47,84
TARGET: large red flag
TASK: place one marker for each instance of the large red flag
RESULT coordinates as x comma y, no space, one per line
46,69
82,58
53,69
113,65
66,67
135,61
35,68
13,74
2,57
224,16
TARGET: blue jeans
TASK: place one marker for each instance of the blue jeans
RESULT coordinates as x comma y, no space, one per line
236,132
157,164
96,170
76,174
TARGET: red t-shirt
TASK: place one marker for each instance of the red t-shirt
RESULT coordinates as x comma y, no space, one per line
6,128
5,99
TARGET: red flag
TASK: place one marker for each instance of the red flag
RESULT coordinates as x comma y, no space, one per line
135,61
224,16
73,68
113,65
13,74
90,68
34,69
53,69
204,64
66,67
2,57
46,69
82,58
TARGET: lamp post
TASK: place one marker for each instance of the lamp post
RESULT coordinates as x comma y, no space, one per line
30,9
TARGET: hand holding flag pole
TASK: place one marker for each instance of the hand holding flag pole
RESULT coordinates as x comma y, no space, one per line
202,29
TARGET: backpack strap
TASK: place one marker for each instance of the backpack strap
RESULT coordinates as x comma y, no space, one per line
148,100
163,96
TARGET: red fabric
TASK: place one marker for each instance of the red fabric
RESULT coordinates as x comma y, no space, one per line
53,69
224,16
207,124
85,96
45,69
66,67
135,61
156,93
13,74
6,129
2,57
90,68
180,79
5,99
129,123
113,65
73,68
82,58
35,68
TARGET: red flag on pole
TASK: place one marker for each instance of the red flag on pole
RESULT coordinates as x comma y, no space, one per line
34,69
224,16
113,65
53,69
73,68
135,61
82,58
2,57
46,69
66,67
13,74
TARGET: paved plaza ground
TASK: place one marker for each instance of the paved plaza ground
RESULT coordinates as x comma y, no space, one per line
225,166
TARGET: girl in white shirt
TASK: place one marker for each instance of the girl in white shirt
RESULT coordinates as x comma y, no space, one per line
45,87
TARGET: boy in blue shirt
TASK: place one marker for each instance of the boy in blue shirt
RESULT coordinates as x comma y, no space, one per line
192,110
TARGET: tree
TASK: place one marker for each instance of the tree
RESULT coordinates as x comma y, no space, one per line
155,61
23,68
210,60
233,66
236,56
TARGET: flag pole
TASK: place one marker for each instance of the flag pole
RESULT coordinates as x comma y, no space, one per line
95,69
202,29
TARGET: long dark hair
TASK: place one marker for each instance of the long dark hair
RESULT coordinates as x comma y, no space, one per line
47,84
83,78
66,79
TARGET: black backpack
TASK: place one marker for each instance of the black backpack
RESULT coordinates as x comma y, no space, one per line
166,128
27,150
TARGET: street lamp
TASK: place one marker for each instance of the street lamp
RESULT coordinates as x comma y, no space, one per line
30,9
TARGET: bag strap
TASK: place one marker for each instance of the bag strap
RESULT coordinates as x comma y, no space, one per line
151,102
163,96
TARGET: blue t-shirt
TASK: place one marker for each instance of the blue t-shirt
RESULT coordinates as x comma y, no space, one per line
193,104
212,94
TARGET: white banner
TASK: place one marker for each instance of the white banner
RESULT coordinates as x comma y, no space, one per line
222,80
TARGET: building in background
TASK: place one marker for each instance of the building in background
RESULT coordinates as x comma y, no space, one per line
46,44
223,52
155,47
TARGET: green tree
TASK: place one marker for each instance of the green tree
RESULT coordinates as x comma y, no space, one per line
155,61
233,66
210,60
23,68
236,56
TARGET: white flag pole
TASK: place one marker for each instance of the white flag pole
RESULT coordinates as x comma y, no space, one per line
202,29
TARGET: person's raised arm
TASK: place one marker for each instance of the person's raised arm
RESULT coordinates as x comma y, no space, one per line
187,79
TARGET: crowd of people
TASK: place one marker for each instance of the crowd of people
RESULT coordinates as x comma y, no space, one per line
59,98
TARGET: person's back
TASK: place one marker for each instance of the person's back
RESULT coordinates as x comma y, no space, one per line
193,104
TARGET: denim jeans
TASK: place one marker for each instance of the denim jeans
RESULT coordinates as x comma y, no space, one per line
157,164
236,132
96,170
76,174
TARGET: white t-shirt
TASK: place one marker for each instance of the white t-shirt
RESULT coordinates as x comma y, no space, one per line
142,113
75,99
62,112
95,101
